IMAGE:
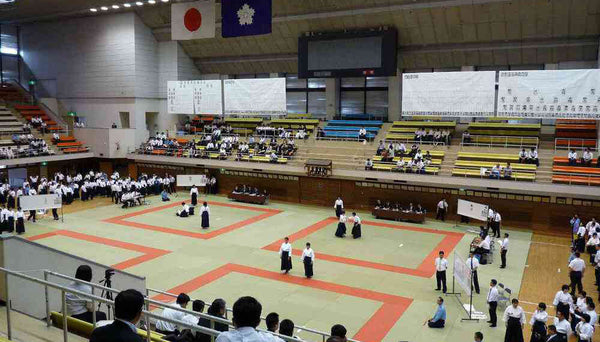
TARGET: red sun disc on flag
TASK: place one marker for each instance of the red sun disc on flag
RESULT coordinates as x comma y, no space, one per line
192,19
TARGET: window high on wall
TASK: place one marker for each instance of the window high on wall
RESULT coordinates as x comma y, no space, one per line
364,95
305,96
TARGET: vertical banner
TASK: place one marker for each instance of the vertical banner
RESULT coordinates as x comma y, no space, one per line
180,97
208,97
449,94
255,96
549,94
193,20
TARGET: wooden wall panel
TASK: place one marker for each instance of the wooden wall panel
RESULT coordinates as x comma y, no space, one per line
279,189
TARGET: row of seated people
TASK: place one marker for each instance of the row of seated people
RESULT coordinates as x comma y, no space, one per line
587,157
39,123
433,135
396,149
418,209
131,199
498,172
415,165
249,190
22,139
34,148
529,157
282,132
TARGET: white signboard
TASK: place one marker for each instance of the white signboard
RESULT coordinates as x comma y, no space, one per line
549,94
255,96
462,273
473,210
208,97
180,97
449,93
40,202
189,180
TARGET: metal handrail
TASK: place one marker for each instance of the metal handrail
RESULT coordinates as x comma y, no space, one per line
475,141
574,147
166,305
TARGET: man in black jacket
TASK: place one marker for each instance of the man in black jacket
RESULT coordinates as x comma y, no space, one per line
128,310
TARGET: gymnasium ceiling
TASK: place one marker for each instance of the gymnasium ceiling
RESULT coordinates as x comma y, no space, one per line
431,34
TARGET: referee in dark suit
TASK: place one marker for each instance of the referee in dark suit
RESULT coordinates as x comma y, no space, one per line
128,311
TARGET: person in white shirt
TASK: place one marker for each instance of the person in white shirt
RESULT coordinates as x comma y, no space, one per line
586,158
194,195
496,222
572,158
590,246
341,228
473,264
205,215
81,308
356,227
514,317
32,192
442,208
563,327
538,324
576,270
504,250
584,329
272,323
167,328
308,259
246,317
338,206
285,253
20,227
592,227
368,165
492,300
185,210
563,300
523,155
441,265
533,157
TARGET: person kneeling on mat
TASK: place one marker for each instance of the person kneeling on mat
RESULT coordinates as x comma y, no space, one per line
185,210
439,319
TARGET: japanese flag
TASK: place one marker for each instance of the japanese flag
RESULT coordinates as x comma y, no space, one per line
193,20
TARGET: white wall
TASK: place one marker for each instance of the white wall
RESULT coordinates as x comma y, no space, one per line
103,141
186,69
167,66
146,61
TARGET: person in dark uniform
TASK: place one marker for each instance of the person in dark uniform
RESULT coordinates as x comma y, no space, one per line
205,215
538,323
338,206
308,258
128,311
194,194
20,221
11,221
492,300
285,253
356,228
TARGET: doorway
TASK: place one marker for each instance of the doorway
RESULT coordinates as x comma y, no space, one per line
152,122
124,117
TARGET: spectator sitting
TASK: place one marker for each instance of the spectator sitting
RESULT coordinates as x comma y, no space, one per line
466,137
273,157
164,195
420,166
339,331
216,309
128,311
523,155
380,148
246,317
478,337
167,328
368,165
400,164
507,171
586,158
82,308
362,134
286,328
439,319
495,173
533,157
272,322
572,158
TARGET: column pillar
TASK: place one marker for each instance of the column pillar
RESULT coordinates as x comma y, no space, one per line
551,66
273,75
332,97
467,68
395,97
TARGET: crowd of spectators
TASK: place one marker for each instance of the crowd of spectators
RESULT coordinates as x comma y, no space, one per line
410,208
26,146
417,163
586,158
529,157
433,136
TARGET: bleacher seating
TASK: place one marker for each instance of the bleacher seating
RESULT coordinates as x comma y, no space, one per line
348,129
433,167
68,144
243,125
308,124
575,174
405,130
470,164
577,134
504,134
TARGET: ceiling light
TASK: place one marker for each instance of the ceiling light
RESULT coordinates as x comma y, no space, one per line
115,6
164,0
93,10
126,5
104,8
151,2
139,3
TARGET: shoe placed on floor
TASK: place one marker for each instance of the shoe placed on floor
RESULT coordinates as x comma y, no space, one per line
437,289
492,325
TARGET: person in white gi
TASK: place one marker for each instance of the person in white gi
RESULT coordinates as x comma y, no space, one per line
308,259
285,253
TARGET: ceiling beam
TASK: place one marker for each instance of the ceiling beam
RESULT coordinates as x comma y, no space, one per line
414,49
364,11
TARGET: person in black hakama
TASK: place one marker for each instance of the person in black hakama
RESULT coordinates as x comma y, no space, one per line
538,322
194,194
339,207
356,228
20,221
514,316
341,228
185,210
285,253
4,219
308,258
205,215
10,222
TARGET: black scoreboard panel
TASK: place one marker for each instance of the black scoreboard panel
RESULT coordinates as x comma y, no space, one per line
348,54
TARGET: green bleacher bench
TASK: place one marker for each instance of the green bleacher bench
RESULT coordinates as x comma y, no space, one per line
402,130
299,116
243,120
402,137
529,176
489,165
488,156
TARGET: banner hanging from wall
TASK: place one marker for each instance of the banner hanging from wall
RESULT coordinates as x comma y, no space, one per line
193,20
195,97
255,96
449,94
550,94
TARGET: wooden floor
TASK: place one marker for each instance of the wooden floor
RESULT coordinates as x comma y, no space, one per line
546,272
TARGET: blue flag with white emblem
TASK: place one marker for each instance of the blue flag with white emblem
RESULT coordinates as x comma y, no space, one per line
245,17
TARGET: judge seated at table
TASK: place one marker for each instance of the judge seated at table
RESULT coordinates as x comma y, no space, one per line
237,189
184,211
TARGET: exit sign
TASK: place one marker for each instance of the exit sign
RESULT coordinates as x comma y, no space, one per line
72,113
32,82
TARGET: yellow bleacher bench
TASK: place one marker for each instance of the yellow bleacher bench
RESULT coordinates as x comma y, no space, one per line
489,165
264,159
426,124
299,116
405,159
402,130
485,139
477,173
488,156
391,167
497,125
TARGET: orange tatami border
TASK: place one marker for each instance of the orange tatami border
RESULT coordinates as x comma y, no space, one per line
426,269
148,252
374,330
121,220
